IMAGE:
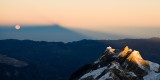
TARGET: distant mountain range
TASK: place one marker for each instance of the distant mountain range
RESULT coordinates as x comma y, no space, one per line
57,60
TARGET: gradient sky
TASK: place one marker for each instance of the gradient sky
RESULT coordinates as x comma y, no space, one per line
81,13
111,16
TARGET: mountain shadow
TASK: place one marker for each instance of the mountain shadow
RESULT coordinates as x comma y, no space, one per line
41,33
101,35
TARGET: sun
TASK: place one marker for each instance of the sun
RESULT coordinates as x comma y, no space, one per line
17,27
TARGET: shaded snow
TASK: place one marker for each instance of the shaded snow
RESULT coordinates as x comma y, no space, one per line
114,65
152,76
106,76
153,66
130,74
94,73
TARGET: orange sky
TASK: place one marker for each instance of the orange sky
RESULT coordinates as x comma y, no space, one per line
81,13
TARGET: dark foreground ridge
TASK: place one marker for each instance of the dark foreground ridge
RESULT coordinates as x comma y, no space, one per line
14,69
119,65
40,60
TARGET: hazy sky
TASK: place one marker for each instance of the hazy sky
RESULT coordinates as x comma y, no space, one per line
81,13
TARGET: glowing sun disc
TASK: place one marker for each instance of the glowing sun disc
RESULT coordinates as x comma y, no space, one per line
17,27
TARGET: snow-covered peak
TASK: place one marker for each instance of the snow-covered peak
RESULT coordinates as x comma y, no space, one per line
125,51
110,49
128,65
135,54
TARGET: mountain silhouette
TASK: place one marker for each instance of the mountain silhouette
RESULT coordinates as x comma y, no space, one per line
41,33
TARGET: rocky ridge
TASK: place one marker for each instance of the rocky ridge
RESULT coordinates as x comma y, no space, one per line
119,65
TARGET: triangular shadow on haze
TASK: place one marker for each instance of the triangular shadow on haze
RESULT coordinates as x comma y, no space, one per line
55,33
101,35
52,33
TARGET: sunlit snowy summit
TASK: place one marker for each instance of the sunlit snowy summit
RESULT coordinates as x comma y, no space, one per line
115,64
